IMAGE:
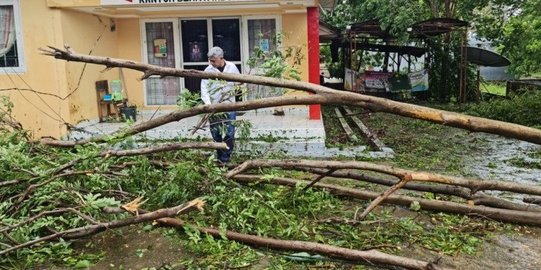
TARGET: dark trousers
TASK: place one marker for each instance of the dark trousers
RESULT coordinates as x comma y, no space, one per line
223,130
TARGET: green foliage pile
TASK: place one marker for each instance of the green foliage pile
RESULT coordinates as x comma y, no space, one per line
259,209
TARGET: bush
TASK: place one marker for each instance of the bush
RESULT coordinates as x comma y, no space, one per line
521,109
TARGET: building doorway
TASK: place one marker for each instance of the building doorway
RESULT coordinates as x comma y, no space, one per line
198,35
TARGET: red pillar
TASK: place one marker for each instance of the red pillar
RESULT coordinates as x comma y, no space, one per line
313,57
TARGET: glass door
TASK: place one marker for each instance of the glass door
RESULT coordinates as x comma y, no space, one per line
198,35
195,40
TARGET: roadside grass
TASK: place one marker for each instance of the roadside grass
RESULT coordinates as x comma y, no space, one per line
495,88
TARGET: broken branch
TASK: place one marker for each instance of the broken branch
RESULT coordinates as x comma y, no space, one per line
100,227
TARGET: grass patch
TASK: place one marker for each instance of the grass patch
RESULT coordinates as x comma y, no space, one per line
523,163
420,144
494,88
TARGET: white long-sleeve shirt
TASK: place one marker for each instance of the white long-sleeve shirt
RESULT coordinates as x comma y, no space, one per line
212,91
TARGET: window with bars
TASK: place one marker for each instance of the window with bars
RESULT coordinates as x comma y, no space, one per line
10,42
161,52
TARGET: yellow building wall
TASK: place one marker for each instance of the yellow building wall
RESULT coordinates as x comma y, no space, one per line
43,113
129,39
68,92
87,34
295,30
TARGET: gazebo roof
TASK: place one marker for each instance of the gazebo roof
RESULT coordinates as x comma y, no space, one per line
436,26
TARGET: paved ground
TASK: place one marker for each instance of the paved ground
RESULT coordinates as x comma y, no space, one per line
291,133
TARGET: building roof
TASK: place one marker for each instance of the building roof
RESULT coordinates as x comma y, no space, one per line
369,28
485,58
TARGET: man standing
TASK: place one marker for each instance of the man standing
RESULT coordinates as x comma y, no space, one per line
212,91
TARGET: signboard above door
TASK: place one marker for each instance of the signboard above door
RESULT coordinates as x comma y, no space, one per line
158,2
168,2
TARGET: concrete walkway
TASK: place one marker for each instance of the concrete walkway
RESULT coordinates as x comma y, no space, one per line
291,134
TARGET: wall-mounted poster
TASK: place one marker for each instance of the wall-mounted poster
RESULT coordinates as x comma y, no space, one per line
160,47
195,52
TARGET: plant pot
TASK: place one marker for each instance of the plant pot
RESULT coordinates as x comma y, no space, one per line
129,113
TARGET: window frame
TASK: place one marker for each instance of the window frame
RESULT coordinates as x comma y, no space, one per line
144,53
18,38
244,35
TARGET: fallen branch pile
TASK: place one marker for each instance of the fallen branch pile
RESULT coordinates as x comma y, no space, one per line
98,227
501,209
75,184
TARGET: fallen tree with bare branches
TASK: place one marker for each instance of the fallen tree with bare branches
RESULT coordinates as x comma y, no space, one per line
473,184
322,95
512,216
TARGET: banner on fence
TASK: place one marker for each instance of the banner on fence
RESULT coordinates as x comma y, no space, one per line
350,77
376,81
419,80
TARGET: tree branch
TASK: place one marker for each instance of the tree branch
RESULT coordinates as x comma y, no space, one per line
323,95
505,215
97,228
474,185
163,148
384,196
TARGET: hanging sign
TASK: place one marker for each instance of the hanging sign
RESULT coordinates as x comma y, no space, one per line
376,81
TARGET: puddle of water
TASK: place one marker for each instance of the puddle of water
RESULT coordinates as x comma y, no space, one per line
493,162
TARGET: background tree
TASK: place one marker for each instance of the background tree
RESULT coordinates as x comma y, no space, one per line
499,21
514,28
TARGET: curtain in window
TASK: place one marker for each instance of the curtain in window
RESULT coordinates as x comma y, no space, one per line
7,29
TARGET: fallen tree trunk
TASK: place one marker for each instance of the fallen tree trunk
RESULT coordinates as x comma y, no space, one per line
478,199
323,95
163,148
371,257
197,110
512,216
474,185
100,227
434,188
532,200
